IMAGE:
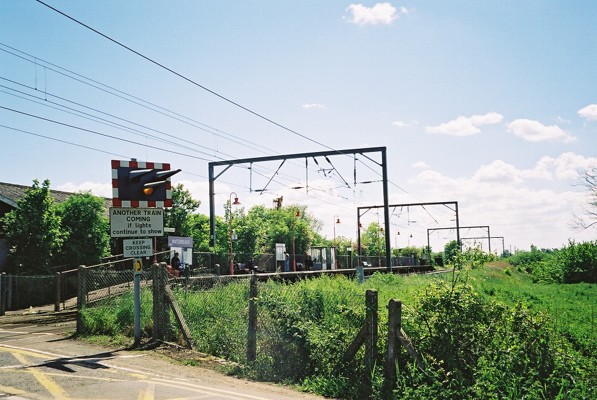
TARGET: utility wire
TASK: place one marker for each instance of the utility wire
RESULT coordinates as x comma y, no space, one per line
95,132
63,141
226,99
104,135
135,100
186,78
45,102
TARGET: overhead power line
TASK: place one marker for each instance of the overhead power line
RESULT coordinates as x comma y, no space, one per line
96,132
228,100
127,97
193,82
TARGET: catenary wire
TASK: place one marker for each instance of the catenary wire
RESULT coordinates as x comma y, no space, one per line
197,84
193,82
138,101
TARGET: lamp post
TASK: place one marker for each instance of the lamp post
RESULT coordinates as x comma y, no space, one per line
297,215
235,203
379,246
336,221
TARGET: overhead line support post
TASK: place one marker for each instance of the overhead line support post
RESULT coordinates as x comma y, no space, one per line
386,208
230,163
458,228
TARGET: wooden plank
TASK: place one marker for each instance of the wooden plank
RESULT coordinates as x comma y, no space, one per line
406,342
355,345
179,317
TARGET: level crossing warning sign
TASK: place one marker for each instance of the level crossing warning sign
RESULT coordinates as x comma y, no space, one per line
137,247
136,222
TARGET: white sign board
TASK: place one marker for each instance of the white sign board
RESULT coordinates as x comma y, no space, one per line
137,247
136,222
280,252
183,242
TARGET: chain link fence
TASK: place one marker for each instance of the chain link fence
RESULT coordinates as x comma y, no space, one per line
20,292
217,311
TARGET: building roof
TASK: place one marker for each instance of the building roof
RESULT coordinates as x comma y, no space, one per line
11,194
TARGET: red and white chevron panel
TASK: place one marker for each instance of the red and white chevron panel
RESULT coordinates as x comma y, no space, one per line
118,202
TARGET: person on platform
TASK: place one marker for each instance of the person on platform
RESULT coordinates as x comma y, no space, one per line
286,262
175,262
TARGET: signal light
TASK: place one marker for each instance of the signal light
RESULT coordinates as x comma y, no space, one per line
141,184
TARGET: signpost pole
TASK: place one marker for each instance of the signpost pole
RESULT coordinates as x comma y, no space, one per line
137,299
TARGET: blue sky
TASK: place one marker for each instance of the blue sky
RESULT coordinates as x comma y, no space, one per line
491,104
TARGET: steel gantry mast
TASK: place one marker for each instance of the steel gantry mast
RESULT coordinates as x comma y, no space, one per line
226,164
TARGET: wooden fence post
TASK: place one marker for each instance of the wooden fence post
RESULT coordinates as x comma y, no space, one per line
9,284
57,279
252,334
2,293
81,295
371,322
161,315
394,327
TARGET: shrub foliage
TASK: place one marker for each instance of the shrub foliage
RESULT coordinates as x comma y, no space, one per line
485,344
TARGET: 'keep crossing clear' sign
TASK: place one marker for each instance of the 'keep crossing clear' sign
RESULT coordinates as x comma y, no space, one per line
137,247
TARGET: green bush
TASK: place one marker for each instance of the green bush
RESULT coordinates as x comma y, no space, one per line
525,259
578,262
546,271
481,349
511,340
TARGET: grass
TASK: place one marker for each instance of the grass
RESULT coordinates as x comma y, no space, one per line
502,323
572,308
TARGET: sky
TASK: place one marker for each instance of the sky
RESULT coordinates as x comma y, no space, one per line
492,105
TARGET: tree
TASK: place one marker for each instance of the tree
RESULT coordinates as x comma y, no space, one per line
373,240
589,180
200,232
32,231
251,230
85,229
451,249
179,215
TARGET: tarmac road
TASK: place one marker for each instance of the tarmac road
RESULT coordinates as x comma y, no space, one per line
39,360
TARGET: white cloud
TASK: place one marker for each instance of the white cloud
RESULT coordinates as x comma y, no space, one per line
498,171
313,106
589,112
534,131
465,126
97,189
519,213
380,13
421,165
565,167
404,124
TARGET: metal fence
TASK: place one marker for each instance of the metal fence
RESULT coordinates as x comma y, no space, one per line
257,320
25,291
20,292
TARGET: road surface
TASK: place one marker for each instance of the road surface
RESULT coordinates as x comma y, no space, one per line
39,360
